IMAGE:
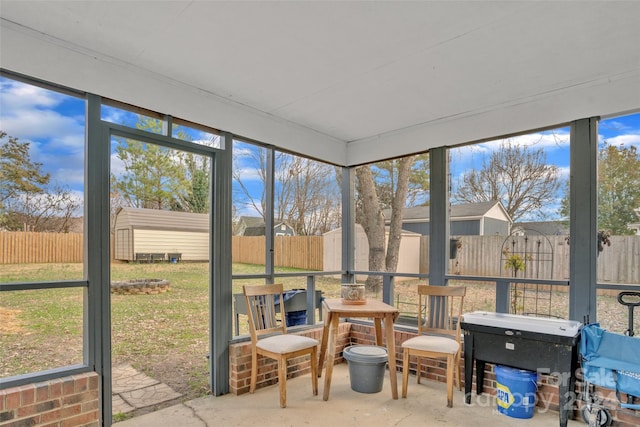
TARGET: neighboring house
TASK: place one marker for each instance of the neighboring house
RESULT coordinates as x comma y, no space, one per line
247,222
635,225
143,231
547,228
468,219
254,226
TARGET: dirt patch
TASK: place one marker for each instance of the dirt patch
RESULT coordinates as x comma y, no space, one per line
10,324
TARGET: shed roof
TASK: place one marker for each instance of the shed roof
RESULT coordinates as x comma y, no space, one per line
155,219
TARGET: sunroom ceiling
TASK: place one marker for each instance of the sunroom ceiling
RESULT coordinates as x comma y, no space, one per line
346,82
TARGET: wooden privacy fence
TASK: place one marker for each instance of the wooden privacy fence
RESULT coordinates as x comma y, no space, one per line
478,256
305,252
30,247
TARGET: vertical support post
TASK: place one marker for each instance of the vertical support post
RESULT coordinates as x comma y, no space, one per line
583,220
268,220
220,292
502,296
439,216
388,289
97,298
311,300
348,224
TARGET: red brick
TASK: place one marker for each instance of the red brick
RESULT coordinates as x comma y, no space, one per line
42,391
80,420
90,406
93,382
68,387
13,398
82,383
27,394
55,388
2,403
80,397
69,411
627,418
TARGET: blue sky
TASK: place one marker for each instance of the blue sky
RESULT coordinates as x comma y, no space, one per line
54,125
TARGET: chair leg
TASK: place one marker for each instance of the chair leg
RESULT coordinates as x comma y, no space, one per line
282,381
418,370
254,369
314,370
450,370
405,371
459,371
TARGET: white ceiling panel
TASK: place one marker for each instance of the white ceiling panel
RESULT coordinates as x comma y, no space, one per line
348,82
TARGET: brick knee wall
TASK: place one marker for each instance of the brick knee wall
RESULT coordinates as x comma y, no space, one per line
61,402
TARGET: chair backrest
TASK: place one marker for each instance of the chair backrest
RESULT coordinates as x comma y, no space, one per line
261,308
438,308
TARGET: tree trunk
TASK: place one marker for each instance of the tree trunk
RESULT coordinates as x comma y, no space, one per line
372,221
369,213
397,209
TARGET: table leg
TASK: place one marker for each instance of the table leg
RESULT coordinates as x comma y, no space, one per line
331,349
480,364
378,328
391,349
468,367
566,363
323,346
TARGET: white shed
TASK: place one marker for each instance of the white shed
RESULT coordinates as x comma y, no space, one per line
408,257
145,234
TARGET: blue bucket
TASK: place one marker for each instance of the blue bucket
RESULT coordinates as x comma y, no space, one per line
515,391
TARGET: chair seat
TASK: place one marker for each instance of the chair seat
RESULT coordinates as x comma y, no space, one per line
286,343
432,343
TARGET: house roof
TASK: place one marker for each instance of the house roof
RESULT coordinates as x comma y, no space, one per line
155,219
252,221
458,212
345,82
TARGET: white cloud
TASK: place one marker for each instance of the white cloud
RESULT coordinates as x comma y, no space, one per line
22,96
626,140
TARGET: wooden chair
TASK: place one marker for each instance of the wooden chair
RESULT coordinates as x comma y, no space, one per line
438,307
281,346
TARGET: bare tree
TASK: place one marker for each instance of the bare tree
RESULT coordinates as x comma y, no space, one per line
516,176
306,193
28,199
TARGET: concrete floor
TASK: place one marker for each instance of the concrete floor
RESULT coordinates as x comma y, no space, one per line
425,405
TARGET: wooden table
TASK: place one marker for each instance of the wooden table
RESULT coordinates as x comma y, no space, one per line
334,309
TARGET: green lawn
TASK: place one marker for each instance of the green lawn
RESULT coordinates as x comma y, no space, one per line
166,335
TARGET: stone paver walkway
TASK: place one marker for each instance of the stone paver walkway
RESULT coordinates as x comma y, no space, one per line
134,391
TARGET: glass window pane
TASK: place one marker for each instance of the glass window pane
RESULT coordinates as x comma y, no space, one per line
249,207
389,196
133,118
160,279
307,206
509,215
41,180
197,134
618,216
40,329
